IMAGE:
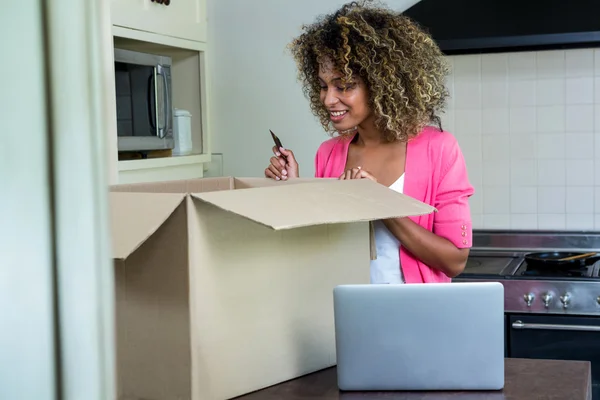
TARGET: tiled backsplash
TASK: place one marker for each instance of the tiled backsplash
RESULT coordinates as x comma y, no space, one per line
529,126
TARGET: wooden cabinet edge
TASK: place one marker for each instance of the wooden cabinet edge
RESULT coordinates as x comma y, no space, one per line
152,37
166,162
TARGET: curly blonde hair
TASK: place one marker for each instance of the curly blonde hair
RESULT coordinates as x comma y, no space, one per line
402,67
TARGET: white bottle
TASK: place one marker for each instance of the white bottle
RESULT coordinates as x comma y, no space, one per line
182,132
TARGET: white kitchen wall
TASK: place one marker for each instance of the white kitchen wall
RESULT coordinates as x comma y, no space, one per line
253,82
529,126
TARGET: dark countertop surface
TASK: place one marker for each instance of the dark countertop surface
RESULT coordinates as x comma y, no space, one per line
525,379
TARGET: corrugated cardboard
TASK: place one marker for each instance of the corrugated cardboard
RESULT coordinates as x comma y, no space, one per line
224,285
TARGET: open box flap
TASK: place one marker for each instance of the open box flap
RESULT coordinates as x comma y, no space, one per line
316,203
245,183
135,217
177,186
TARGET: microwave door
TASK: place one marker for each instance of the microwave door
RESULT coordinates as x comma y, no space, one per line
143,89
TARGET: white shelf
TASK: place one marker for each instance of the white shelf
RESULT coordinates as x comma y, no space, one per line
151,163
163,169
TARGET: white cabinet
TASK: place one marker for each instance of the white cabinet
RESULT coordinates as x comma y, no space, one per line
190,92
185,19
176,30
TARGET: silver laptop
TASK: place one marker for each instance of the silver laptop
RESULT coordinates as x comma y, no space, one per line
434,336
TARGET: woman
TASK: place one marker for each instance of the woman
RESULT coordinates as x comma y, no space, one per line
377,80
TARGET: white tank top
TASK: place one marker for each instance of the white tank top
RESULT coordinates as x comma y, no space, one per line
386,268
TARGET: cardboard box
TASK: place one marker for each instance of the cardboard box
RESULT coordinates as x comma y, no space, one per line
224,285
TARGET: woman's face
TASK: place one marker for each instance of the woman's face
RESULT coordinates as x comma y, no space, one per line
347,103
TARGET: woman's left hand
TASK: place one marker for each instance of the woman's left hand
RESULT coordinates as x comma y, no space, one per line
357,173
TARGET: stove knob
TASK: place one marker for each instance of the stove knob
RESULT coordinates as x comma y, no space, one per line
565,299
547,298
529,298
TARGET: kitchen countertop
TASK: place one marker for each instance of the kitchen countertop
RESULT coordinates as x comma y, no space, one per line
525,379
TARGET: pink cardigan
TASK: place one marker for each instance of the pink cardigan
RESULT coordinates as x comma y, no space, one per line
436,174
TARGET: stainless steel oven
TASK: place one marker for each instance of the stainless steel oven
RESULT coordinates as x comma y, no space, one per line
144,101
551,311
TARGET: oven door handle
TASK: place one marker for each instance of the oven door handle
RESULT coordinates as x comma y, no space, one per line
555,327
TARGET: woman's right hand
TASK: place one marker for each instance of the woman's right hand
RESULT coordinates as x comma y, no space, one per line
280,169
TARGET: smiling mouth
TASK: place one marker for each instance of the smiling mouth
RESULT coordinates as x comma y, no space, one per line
337,115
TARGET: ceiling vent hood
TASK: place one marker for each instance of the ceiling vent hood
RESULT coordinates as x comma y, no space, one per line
488,26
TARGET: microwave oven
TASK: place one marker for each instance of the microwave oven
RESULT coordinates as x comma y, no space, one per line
144,101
